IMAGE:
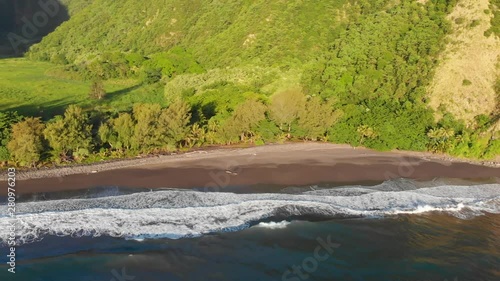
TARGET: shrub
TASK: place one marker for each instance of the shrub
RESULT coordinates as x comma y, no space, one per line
151,75
466,82
474,23
459,20
97,90
493,150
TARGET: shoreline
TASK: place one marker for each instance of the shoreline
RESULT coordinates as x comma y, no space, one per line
288,164
115,164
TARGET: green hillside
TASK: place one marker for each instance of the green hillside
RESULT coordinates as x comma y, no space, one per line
218,33
160,75
75,6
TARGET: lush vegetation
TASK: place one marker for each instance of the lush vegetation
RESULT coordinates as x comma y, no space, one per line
194,73
217,33
89,136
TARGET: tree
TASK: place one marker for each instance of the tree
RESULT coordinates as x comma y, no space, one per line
71,135
26,145
146,134
107,135
212,129
285,108
97,91
7,119
118,132
196,136
440,139
173,122
316,117
124,125
244,120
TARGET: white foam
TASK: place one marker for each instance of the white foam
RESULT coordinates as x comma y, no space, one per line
273,225
176,214
427,209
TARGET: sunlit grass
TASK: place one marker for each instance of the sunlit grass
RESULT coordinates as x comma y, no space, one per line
42,89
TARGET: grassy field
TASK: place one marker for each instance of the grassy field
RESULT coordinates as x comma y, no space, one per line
464,81
42,89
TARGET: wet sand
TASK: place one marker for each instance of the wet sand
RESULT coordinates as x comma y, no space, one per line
291,164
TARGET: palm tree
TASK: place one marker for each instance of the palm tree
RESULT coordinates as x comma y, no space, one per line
196,136
212,129
440,139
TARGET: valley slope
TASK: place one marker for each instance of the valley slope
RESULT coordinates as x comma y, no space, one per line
386,74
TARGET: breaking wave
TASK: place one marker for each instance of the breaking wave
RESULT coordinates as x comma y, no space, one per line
177,214
273,225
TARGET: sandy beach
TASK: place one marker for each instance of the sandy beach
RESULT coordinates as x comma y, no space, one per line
289,164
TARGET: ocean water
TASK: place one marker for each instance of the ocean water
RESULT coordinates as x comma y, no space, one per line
397,230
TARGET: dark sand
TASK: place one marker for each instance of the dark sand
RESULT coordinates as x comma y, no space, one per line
293,164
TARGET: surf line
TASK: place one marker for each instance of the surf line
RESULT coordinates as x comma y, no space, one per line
11,210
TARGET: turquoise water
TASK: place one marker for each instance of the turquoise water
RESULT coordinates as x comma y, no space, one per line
395,231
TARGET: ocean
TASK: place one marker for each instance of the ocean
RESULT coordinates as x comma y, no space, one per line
399,230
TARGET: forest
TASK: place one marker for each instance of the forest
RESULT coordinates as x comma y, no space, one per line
242,74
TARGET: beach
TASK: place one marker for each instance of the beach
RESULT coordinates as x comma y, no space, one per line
296,164
264,211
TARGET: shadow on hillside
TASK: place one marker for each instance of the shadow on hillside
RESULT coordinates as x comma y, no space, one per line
115,94
25,22
45,110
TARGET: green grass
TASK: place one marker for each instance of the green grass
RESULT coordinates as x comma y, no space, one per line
43,89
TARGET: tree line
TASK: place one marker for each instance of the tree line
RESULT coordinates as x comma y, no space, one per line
149,128
82,136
